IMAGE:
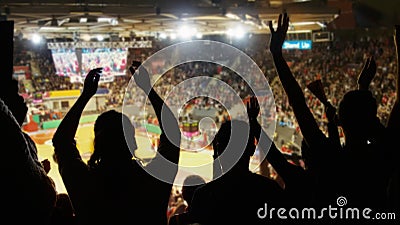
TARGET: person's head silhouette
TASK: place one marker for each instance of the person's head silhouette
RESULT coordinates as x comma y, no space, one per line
15,102
358,113
190,184
114,138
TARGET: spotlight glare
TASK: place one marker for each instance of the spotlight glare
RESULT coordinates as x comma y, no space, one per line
238,32
86,37
186,32
100,37
163,36
36,39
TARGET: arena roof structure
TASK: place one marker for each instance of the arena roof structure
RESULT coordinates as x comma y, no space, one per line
127,18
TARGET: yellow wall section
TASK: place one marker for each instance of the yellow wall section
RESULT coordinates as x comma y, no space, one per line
64,93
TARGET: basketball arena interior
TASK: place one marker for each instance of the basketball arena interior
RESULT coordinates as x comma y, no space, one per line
56,43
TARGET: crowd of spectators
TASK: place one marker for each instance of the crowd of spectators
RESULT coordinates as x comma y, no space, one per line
338,72
317,181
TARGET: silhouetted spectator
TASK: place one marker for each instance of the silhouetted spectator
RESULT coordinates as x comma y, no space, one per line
394,124
238,193
298,183
64,212
28,194
112,188
190,185
346,172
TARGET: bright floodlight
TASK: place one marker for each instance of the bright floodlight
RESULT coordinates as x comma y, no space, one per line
163,36
237,32
199,35
114,22
36,38
173,36
86,37
186,32
100,37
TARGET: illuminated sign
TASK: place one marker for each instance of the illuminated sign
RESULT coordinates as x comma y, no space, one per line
299,44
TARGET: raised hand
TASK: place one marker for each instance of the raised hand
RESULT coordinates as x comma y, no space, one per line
317,89
367,74
278,35
141,77
135,65
91,82
308,126
253,108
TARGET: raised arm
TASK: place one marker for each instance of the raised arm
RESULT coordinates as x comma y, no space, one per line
367,74
67,129
73,170
274,156
308,125
333,131
168,123
317,89
394,118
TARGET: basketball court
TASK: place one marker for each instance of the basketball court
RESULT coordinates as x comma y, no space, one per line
190,162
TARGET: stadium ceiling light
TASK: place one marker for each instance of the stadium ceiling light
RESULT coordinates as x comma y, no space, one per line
199,35
103,20
114,22
249,22
232,16
100,37
173,36
36,38
303,23
163,36
51,28
237,32
186,32
321,24
299,31
86,37
83,20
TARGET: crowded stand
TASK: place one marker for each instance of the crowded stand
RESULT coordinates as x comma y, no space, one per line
342,67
